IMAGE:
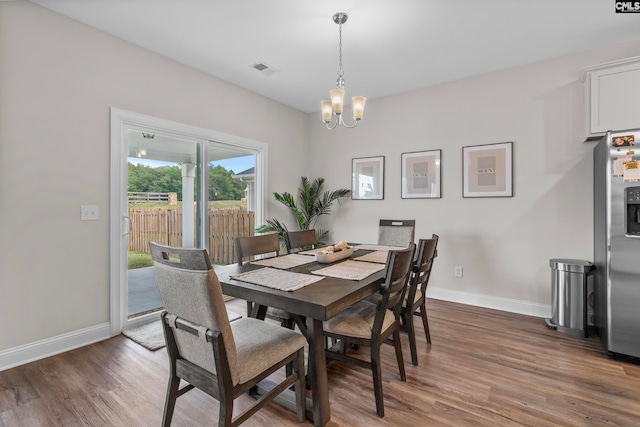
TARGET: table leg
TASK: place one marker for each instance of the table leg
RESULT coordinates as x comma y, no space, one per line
259,311
318,373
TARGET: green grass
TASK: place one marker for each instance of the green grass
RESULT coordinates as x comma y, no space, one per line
139,260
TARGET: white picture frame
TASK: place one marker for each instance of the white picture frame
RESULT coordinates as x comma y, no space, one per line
487,170
367,178
421,175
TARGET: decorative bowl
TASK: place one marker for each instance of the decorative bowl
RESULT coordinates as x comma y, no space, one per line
334,256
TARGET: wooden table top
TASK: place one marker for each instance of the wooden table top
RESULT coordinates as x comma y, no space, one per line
321,300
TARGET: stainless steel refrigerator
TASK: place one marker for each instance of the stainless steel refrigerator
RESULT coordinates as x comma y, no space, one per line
617,242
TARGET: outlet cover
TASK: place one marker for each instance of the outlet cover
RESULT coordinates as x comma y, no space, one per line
457,271
89,213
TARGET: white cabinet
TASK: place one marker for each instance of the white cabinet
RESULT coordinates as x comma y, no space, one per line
613,96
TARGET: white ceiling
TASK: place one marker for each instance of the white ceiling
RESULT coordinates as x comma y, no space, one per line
389,47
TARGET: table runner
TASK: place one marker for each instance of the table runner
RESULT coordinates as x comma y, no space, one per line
284,262
350,270
276,279
377,256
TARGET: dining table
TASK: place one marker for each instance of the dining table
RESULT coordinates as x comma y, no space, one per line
317,302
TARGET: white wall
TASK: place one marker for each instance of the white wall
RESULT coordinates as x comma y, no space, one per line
59,79
504,244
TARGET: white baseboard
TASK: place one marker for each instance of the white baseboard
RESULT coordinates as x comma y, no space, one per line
48,347
496,303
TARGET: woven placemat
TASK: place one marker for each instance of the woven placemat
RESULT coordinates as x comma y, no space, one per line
378,256
285,262
350,270
277,279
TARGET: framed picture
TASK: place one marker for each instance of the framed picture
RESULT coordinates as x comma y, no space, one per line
421,175
367,178
487,170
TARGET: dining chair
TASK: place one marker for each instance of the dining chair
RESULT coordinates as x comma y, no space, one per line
300,240
221,358
415,299
393,232
265,244
371,325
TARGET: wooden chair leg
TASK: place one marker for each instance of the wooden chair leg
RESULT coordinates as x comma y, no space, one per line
377,378
412,338
170,402
289,324
225,417
398,345
425,322
301,400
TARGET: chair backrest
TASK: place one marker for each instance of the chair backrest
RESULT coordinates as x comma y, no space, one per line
426,253
257,245
194,298
396,232
397,274
189,259
300,239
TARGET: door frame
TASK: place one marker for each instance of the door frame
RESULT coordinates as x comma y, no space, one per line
121,122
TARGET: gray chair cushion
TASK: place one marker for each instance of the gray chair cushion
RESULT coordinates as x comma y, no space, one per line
259,345
417,296
357,321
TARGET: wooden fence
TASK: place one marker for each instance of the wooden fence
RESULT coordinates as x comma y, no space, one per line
140,197
164,226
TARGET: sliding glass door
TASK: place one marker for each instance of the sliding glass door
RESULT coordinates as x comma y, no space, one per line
180,186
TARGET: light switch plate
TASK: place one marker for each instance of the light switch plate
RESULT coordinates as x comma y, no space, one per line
89,213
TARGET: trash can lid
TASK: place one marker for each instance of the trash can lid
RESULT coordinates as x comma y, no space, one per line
572,265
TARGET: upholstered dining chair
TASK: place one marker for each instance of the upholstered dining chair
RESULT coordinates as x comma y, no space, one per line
393,232
296,241
371,325
223,359
416,296
265,244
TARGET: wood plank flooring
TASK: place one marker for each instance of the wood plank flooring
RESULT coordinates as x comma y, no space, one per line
485,368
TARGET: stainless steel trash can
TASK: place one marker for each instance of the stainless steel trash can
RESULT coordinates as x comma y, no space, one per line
569,296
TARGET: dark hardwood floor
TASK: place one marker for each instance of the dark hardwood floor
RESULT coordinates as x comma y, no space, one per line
485,368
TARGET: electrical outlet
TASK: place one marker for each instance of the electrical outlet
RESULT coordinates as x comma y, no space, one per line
457,271
89,213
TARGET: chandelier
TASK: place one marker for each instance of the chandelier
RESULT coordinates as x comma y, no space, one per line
334,106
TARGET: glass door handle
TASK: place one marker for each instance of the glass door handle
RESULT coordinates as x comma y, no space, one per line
130,223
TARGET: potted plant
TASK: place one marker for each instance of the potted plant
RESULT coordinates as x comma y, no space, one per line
313,202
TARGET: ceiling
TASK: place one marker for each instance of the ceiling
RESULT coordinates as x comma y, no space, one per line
389,47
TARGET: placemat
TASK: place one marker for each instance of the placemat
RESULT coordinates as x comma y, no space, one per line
284,262
379,247
350,270
277,279
377,256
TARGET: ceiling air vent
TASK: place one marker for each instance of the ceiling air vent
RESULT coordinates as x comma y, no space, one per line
265,69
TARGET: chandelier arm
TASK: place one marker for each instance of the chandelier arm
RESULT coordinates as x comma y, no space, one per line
349,126
334,125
